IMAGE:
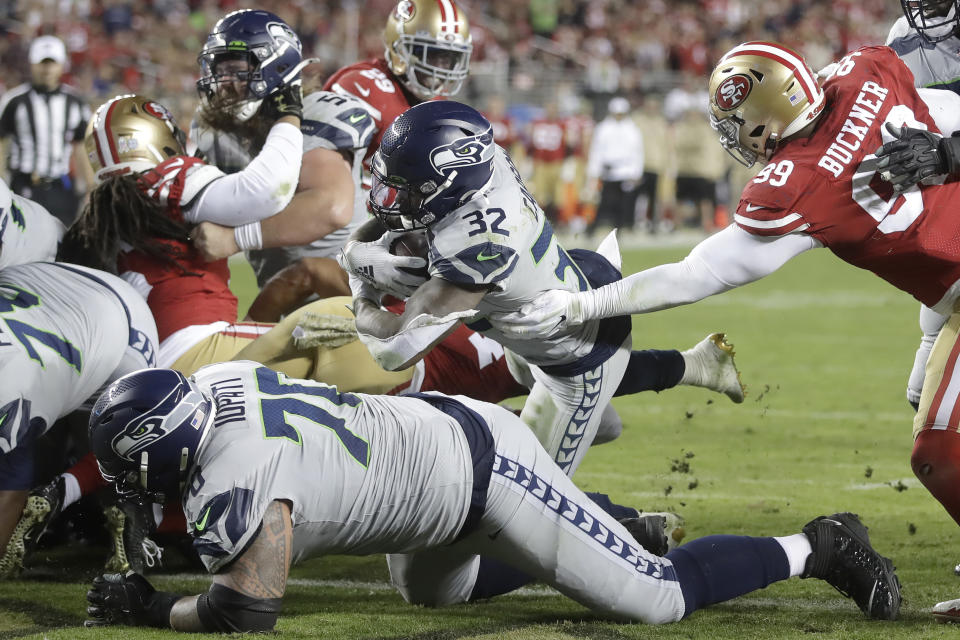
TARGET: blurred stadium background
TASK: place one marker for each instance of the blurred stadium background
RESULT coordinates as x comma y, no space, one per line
553,64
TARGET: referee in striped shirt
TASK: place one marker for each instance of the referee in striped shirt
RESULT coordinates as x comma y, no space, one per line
41,124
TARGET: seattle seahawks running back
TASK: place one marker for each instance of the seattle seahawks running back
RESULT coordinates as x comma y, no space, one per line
491,249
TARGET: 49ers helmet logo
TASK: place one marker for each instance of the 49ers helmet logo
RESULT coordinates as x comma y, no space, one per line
157,110
405,10
733,91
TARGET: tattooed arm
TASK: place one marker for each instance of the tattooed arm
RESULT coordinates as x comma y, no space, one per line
247,597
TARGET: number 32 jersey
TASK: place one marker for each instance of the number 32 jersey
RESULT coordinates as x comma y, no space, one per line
827,185
501,239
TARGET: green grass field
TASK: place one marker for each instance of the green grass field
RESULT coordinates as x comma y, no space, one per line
825,351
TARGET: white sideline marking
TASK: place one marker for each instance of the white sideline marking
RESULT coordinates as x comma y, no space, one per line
537,591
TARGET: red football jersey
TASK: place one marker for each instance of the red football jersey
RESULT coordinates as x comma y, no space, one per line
827,186
194,291
547,140
372,82
504,133
467,363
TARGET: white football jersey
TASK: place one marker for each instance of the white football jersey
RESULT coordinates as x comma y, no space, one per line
933,66
340,123
28,232
65,331
364,474
502,238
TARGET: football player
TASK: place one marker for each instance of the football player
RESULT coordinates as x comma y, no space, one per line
149,196
28,232
249,55
65,332
816,190
490,248
427,47
926,39
431,479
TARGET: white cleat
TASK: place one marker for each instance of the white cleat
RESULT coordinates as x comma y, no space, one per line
710,364
948,611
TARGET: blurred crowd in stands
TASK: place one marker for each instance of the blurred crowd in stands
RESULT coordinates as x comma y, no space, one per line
544,69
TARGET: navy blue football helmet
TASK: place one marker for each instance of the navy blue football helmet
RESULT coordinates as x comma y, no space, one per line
266,43
434,157
145,430
934,20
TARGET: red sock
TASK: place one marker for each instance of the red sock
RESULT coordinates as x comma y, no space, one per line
936,462
87,474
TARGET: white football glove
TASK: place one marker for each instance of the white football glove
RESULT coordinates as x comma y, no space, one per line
360,288
550,313
373,262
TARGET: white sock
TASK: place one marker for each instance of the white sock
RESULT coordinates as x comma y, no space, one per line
798,549
71,490
691,370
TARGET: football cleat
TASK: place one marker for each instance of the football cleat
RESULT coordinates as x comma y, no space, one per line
948,611
710,364
843,557
43,506
129,526
657,532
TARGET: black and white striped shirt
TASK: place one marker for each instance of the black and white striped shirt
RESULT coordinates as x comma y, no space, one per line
42,126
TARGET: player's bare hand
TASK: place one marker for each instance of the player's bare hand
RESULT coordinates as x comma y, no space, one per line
550,313
915,155
214,241
372,262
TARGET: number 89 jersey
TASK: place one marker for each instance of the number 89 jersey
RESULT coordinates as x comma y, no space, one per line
339,458
827,186
502,239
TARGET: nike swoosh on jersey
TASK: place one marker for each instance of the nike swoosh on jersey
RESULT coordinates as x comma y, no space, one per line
481,257
202,523
363,92
751,207
357,117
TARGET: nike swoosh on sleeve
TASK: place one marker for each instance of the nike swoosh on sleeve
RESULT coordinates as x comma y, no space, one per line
751,207
363,92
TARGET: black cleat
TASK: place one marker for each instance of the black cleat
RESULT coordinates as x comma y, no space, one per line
42,507
843,557
658,532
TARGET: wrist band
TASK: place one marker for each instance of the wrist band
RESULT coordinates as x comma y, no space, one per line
249,236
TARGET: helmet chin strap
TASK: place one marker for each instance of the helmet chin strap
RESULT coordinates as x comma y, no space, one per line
144,461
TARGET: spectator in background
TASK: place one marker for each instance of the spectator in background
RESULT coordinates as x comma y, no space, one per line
547,149
41,125
616,159
504,129
655,131
701,163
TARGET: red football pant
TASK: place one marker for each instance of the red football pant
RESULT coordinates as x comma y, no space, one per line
936,462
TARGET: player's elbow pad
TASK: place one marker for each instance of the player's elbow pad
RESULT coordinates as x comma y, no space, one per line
223,610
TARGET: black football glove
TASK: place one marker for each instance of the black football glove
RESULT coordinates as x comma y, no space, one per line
127,599
286,102
916,154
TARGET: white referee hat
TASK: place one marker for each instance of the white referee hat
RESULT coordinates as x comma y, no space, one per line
47,48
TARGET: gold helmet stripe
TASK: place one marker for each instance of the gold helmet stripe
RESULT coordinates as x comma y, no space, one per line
784,56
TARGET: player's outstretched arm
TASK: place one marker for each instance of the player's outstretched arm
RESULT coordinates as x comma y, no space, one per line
246,598
725,260
434,310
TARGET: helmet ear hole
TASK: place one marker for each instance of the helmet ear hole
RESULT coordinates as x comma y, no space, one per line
756,74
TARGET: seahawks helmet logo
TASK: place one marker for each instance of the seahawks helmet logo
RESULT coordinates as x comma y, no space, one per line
733,91
166,417
463,152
